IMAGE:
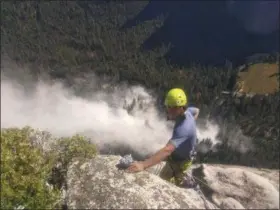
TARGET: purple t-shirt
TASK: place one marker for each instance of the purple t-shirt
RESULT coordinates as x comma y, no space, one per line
184,135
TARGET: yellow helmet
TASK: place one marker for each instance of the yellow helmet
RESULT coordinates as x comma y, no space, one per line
175,98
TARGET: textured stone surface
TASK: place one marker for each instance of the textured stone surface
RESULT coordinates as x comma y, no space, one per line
248,187
98,183
231,203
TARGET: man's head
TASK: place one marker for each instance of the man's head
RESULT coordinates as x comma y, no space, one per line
175,103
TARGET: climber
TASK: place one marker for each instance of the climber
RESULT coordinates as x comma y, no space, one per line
178,151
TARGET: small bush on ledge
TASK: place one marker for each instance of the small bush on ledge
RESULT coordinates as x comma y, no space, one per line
26,170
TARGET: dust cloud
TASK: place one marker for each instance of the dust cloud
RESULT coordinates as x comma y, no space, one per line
112,116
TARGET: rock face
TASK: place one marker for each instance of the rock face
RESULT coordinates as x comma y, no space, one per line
238,187
97,183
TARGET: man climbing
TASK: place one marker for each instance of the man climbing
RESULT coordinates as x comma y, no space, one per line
179,149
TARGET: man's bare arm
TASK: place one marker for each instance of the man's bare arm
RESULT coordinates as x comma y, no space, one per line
159,156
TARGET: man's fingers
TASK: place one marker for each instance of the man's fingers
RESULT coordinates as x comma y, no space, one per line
133,169
130,168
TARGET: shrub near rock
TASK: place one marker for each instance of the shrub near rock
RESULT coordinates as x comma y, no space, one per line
24,172
27,171
65,150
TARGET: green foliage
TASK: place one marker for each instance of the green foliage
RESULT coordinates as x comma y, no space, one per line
24,172
66,54
26,168
65,150
76,146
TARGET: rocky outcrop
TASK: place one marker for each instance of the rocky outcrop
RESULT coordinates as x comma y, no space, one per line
97,183
233,187
241,187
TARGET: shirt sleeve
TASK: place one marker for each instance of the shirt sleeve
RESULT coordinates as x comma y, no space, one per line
177,138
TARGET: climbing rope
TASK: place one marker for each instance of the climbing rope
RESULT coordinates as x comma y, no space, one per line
199,190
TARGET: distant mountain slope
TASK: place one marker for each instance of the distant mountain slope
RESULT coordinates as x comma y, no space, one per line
260,78
210,32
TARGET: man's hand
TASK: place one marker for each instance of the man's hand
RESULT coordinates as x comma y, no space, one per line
153,160
194,111
135,167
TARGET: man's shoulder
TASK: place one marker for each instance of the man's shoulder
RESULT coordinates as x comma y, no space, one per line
191,109
184,126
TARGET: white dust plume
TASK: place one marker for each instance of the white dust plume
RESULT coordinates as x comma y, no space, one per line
124,117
